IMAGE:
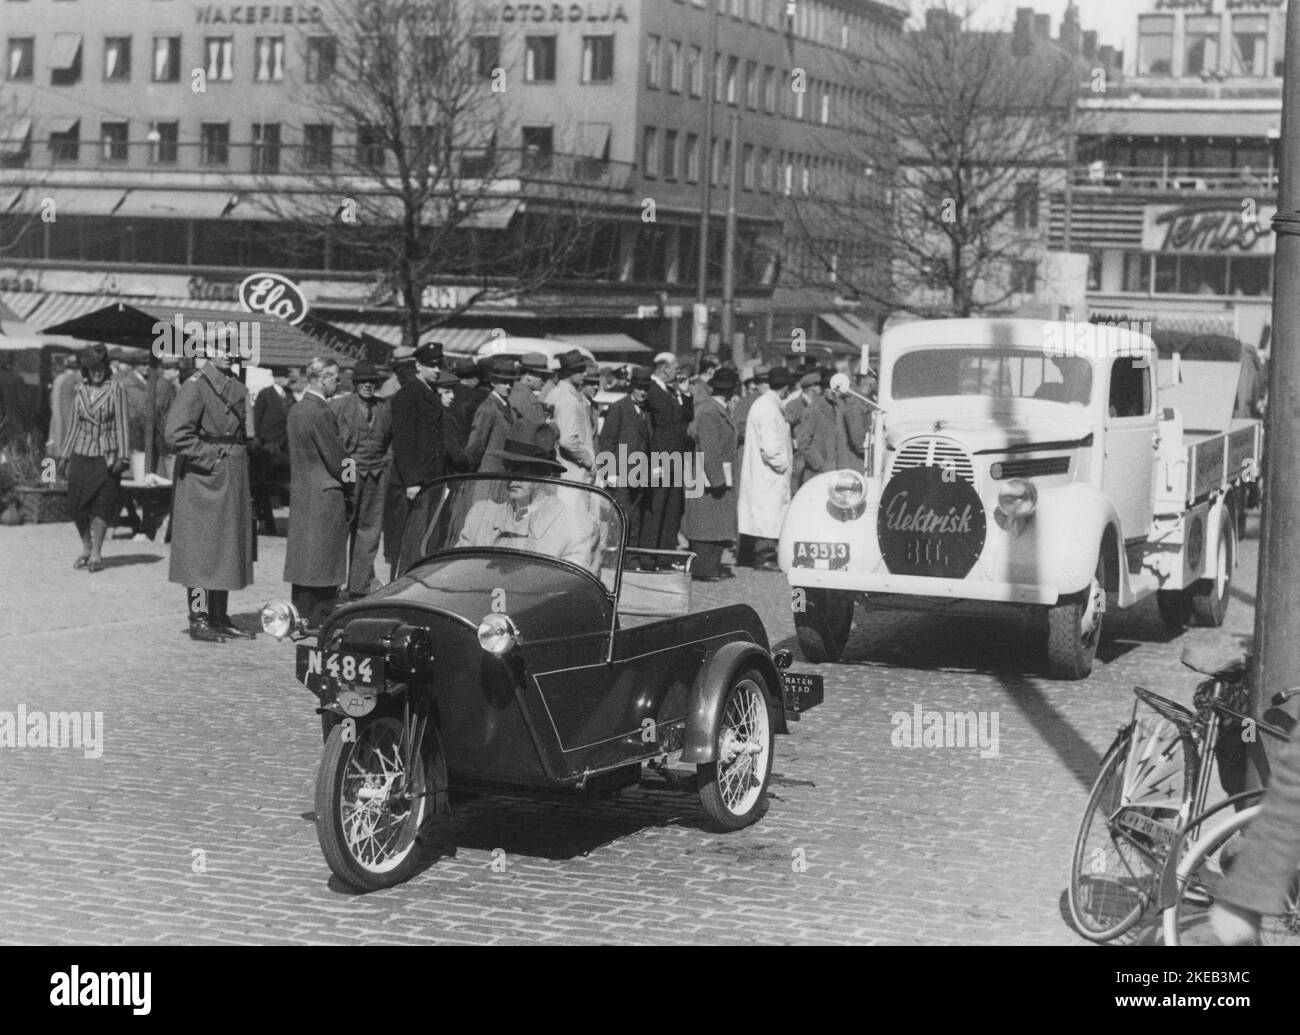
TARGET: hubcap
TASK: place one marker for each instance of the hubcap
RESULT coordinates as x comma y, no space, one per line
1093,609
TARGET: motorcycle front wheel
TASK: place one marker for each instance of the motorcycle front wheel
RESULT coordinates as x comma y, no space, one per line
368,807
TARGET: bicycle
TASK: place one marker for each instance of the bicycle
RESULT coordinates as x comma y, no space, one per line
1152,789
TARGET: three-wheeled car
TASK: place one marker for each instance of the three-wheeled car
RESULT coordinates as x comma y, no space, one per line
523,652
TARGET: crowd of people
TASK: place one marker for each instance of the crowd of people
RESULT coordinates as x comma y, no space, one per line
359,465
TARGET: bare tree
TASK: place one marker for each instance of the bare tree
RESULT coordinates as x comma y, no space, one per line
406,169
936,208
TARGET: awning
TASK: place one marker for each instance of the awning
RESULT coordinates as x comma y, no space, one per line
64,50
15,333
63,124
176,204
854,330
614,345
86,201
56,307
1246,124
14,137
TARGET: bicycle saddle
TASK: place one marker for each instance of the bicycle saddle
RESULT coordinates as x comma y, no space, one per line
1217,660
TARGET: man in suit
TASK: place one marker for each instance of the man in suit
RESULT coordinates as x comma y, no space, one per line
419,449
815,436
573,419
670,414
493,417
710,521
270,436
366,427
525,397
624,437
403,364
467,396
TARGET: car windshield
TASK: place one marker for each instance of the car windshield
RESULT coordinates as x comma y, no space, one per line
992,373
564,520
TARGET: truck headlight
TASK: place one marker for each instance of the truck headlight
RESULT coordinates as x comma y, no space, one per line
848,490
280,619
1017,498
497,634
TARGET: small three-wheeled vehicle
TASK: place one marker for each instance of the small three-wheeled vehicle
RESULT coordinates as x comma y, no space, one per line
521,653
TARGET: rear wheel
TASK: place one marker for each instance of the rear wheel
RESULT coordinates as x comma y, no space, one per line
1208,598
1074,629
823,625
733,786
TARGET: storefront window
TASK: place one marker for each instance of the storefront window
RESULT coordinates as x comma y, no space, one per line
1155,44
1249,44
1249,276
1137,272
1202,44
1202,276
1166,282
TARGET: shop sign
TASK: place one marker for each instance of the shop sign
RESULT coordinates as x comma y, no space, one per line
589,12
1227,229
274,295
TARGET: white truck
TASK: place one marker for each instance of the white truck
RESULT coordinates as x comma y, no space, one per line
1028,464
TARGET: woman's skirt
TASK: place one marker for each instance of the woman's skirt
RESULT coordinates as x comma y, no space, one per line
92,493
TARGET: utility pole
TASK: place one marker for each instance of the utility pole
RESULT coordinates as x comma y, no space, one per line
1276,664
729,252
706,172
1071,134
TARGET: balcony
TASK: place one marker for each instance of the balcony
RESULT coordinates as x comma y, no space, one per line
1170,179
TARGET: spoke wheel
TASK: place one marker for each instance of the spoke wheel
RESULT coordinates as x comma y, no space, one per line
368,807
733,786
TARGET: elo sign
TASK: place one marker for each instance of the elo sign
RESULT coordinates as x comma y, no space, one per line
930,524
274,295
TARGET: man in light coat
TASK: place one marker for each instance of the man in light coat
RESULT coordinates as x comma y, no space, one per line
765,472
573,420
710,519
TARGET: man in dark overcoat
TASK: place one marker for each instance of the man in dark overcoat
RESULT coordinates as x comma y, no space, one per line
366,427
710,520
271,453
524,397
419,448
670,415
493,417
403,364
624,436
316,554
212,509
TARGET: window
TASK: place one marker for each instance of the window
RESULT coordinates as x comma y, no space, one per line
164,138
214,143
487,55
371,152
322,52
1026,206
653,68
826,104
112,138
65,140
733,75
670,154
769,89
765,169
318,145
539,146
751,85
220,51
266,147
798,103
695,71
166,59
692,158
432,59
22,58
539,59
747,167
650,151
269,51
1130,387
1024,276
65,59
1155,44
117,59
597,59
1250,44
1202,44
673,61
719,75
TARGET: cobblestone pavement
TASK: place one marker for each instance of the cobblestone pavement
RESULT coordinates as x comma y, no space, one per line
195,824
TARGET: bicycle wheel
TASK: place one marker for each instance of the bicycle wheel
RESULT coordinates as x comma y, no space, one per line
1202,870
1128,825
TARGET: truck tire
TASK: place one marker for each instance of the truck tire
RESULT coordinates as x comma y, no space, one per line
823,626
1208,598
1175,608
1074,629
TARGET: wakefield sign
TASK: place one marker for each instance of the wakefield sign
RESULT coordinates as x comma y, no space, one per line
1227,229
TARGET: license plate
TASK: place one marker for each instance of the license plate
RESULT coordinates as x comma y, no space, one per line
827,556
1140,824
326,672
805,690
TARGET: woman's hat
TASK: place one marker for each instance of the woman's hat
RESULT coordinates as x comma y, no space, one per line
92,356
529,443
367,373
572,362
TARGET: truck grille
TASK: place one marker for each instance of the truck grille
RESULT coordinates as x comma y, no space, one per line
935,452
1039,465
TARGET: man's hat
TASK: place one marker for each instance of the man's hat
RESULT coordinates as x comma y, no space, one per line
429,354
535,363
778,377
503,368
810,379
446,379
529,443
402,354
367,373
279,371
572,362
725,381
92,356
592,375
465,368
761,371
640,378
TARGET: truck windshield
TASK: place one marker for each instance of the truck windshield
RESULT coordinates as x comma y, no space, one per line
993,373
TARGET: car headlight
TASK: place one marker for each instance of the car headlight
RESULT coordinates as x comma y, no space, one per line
1017,498
497,634
280,619
848,490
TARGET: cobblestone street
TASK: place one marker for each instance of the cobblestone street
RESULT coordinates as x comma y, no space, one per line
195,824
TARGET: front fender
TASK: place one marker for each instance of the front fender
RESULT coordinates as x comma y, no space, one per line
811,517
704,709
1059,543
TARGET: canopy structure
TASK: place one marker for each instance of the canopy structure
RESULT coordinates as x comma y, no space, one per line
16,334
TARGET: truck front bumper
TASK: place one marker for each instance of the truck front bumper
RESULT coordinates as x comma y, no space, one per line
922,586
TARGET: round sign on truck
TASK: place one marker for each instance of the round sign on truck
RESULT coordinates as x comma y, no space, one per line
930,523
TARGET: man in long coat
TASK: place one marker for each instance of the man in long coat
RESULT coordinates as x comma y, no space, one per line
765,473
271,459
710,521
573,420
366,427
625,436
458,418
493,418
670,414
419,448
533,372
815,436
213,535
316,554
403,364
